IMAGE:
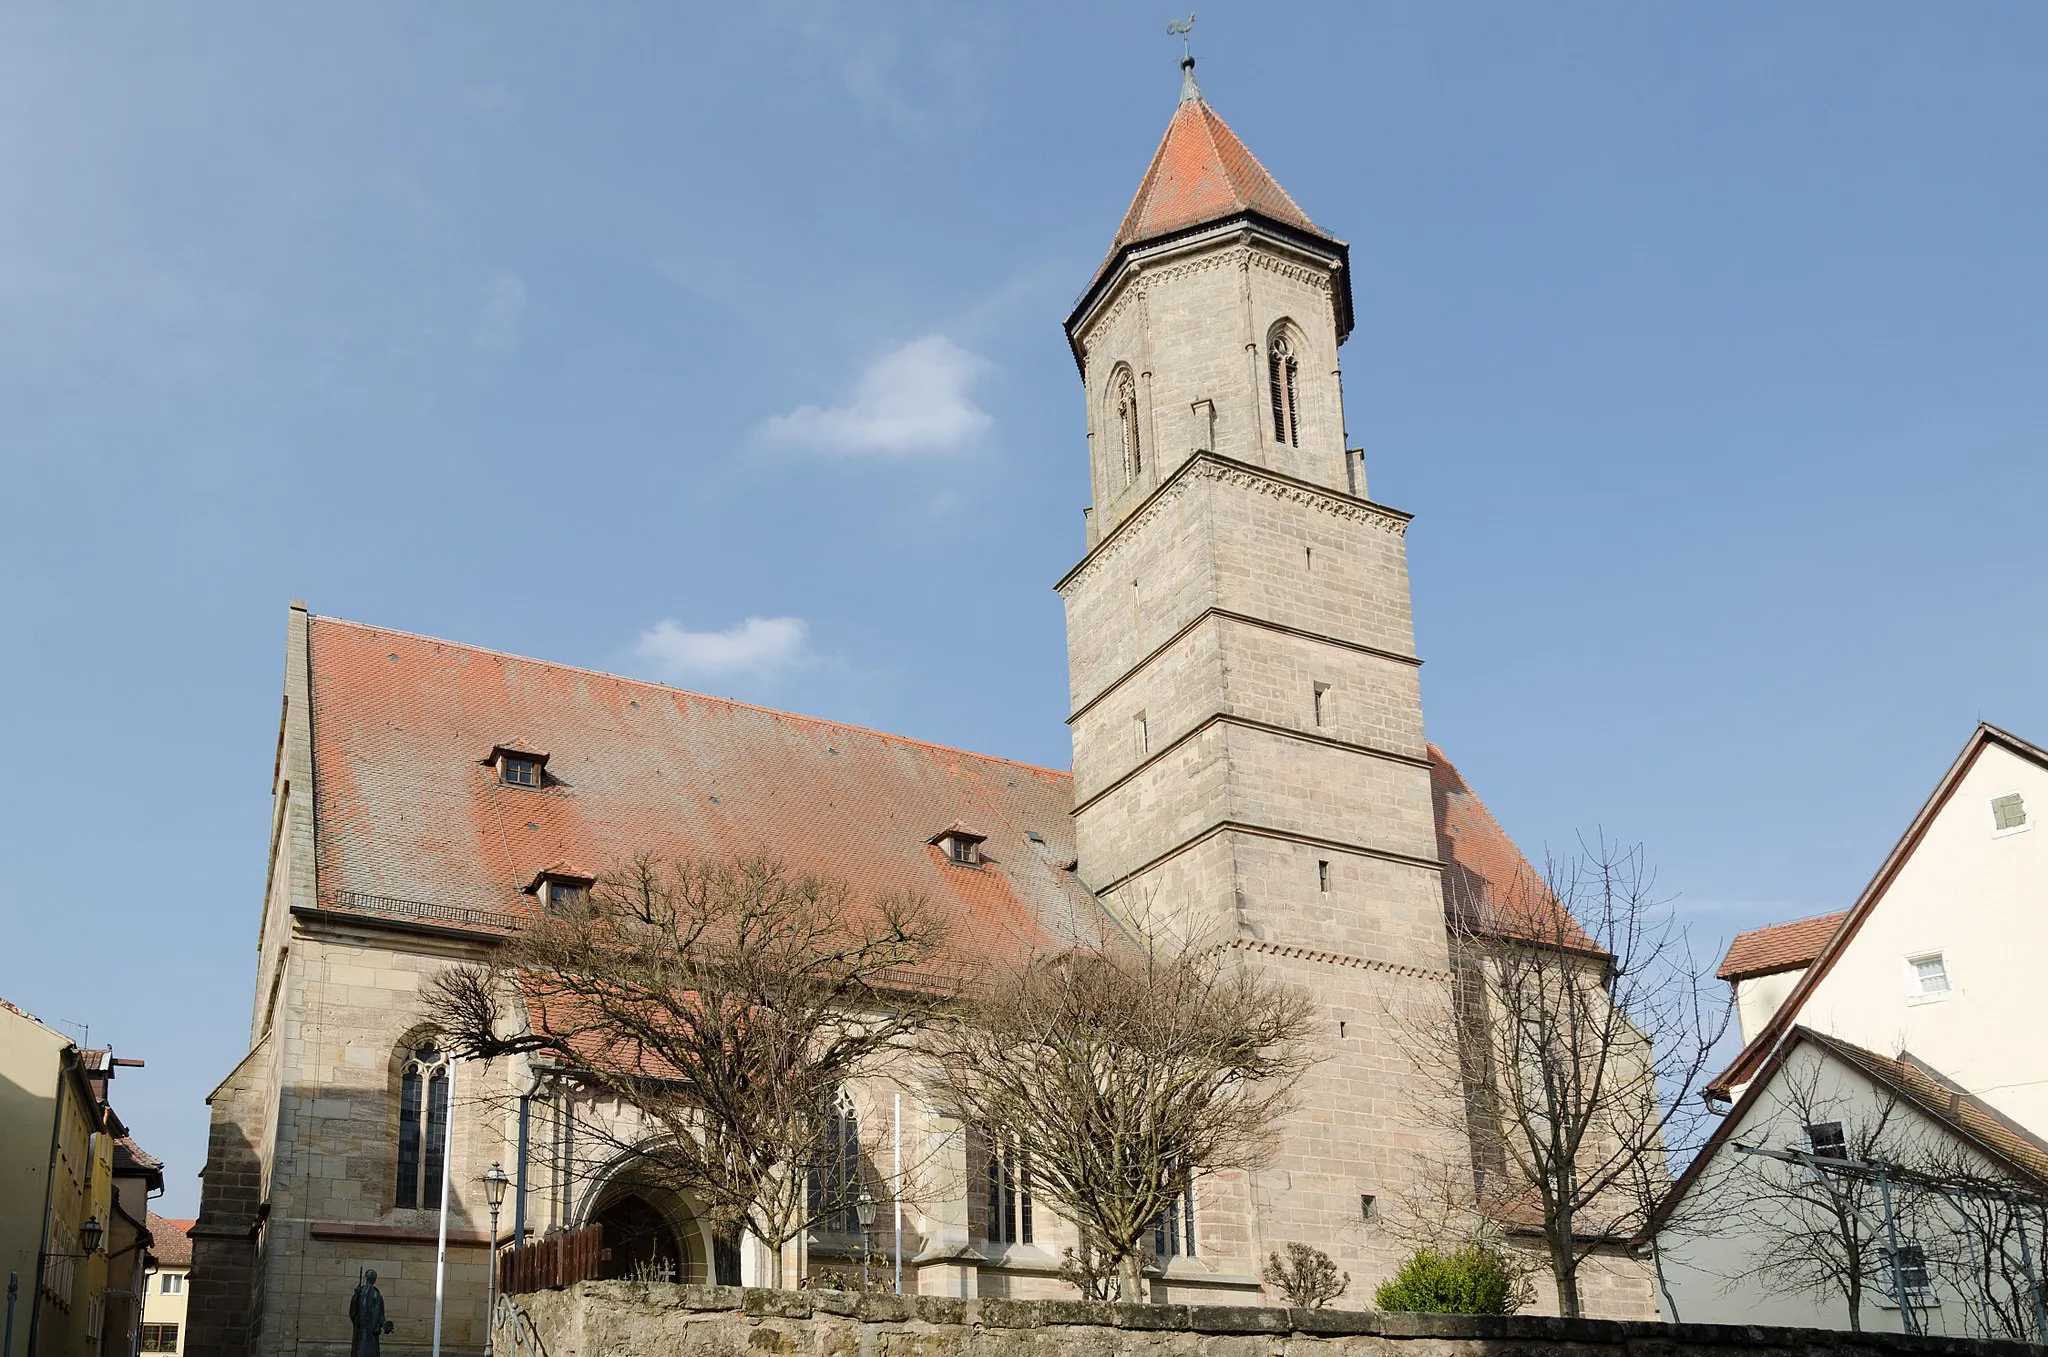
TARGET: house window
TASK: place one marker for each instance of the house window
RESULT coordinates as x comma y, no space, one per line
173,1284
2008,812
1827,1140
1009,1193
422,1126
1282,377
1930,975
835,1179
519,772
1173,1234
1127,427
159,1338
1912,1273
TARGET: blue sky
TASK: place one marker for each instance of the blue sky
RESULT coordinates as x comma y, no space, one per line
721,345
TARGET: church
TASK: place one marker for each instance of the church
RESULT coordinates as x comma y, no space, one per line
1248,748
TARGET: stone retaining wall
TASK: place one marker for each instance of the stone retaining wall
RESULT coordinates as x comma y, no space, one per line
632,1319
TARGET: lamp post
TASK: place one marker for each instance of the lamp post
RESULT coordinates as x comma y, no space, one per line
495,1183
864,1207
89,1236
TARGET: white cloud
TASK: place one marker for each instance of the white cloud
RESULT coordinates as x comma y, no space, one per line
504,305
916,399
761,646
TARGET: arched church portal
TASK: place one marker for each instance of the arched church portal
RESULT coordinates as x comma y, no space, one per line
644,1242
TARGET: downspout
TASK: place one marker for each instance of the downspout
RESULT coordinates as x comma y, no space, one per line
35,1295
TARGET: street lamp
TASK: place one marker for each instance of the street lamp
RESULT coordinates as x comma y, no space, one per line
864,1207
495,1183
89,1236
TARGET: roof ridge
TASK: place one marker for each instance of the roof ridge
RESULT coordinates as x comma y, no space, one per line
1211,121
692,692
1791,923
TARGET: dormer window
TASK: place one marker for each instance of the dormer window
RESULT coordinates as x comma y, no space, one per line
561,888
519,767
961,845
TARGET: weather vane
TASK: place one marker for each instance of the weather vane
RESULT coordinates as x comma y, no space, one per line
1180,28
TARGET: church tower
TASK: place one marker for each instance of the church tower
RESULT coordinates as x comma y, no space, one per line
1249,760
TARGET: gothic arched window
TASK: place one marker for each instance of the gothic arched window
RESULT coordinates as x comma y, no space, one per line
422,1125
1283,377
835,1179
1173,1233
1009,1191
1127,426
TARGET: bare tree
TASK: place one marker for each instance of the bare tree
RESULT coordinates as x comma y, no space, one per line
729,1004
1820,1234
1991,1235
1819,1217
1307,1278
1120,1072
1581,1025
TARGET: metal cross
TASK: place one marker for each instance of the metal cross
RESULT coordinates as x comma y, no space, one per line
1180,28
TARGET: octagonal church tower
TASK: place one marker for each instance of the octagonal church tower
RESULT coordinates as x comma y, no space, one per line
1249,761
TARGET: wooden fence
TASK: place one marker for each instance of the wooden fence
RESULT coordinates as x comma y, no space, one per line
553,1261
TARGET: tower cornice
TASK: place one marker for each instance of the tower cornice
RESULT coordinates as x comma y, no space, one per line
1141,258
1210,466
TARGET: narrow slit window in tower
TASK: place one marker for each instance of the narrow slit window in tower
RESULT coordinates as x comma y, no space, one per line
1322,703
1323,877
1127,425
1282,375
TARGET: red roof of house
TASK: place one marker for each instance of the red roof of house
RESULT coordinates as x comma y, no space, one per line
1487,882
170,1245
408,810
1202,173
1780,947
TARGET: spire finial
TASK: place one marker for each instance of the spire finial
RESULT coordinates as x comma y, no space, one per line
1180,28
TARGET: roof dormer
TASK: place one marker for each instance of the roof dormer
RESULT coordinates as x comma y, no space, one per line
560,887
518,766
961,845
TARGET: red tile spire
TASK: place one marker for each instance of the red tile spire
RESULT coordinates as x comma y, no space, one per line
1202,173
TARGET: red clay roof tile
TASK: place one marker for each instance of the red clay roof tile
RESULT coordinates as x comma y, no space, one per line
1202,173
170,1247
405,812
407,816
1779,947
1486,879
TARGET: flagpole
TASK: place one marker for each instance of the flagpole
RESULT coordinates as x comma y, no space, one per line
896,1191
447,1161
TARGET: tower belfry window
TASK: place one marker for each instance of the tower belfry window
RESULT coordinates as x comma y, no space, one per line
1283,375
1127,427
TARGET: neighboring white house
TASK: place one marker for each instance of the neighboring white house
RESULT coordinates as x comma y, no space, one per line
1936,967
1746,1238
1942,955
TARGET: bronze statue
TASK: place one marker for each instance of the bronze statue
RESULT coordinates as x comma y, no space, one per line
366,1318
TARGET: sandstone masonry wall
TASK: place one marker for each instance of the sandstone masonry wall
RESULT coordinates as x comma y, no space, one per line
627,1319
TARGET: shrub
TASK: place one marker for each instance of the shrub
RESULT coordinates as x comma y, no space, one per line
1473,1280
1307,1278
